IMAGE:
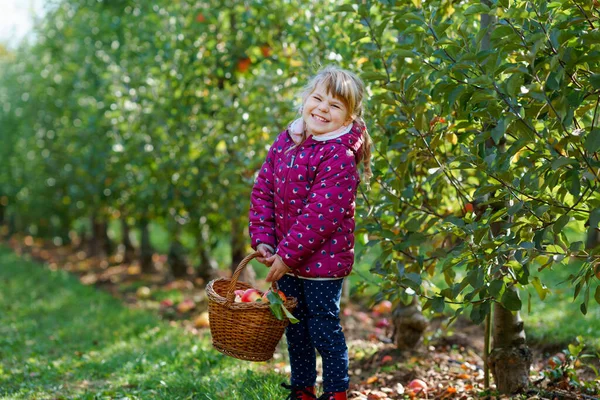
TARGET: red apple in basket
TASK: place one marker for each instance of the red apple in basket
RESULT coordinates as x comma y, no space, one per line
279,292
238,295
250,295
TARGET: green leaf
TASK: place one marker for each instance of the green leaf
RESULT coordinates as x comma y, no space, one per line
513,84
576,246
274,298
597,294
540,288
515,208
414,277
345,8
485,189
595,81
475,278
501,31
404,53
560,223
438,304
498,131
455,221
496,287
592,142
276,309
373,76
553,81
292,319
510,300
477,9
577,290
420,122
455,94
562,161
479,312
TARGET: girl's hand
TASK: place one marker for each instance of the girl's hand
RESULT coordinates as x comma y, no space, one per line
278,268
265,252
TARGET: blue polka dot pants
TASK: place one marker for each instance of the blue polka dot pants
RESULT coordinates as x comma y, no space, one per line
319,328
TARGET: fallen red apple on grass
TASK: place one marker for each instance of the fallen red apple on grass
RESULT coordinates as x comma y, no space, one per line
383,307
383,323
143,292
186,305
417,386
166,303
202,321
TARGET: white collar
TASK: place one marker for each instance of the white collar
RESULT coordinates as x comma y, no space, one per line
297,127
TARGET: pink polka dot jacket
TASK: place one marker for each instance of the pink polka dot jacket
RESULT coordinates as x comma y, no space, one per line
303,203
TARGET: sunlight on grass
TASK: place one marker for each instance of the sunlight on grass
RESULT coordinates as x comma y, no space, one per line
60,339
558,318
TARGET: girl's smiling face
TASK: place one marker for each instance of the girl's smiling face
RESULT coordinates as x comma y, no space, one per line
324,113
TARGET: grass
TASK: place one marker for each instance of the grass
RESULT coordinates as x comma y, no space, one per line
557,318
60,339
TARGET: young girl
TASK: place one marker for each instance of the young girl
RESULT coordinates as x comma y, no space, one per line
302,223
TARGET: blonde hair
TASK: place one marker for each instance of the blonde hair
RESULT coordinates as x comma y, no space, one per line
349,88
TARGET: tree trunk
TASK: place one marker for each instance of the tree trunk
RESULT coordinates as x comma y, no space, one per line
107,245
510,359
176,258
62,229
146,250
12,224
593,238
3,230
128,249
97,245
2,212
207,270
82,244
409,325
238,251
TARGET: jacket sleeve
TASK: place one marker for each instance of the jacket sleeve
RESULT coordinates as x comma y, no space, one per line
331,198
262,210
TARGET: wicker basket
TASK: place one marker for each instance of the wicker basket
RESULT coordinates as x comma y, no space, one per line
248,331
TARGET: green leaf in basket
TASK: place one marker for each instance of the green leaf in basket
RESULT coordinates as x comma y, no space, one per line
276,309
274,298
292,319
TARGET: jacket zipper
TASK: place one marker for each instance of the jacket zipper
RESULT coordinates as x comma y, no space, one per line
291,166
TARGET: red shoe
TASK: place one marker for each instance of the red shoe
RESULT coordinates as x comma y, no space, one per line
333,396
300,393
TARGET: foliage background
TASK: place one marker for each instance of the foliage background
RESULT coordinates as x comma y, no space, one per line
486,136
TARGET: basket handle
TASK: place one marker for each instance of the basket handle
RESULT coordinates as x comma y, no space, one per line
234,278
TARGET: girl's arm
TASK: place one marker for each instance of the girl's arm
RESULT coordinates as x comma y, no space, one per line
332,196
262,212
